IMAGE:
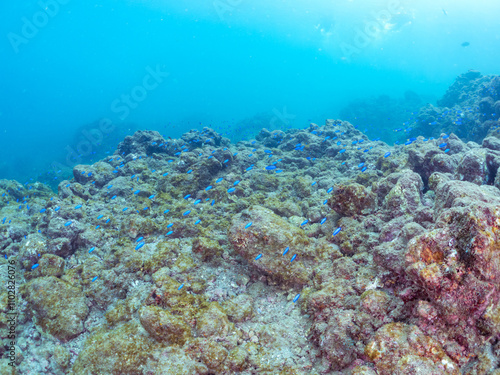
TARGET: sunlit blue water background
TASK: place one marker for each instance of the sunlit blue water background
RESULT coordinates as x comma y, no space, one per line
74,72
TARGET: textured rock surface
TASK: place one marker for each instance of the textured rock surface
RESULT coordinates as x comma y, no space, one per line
404,349
59,308
305,251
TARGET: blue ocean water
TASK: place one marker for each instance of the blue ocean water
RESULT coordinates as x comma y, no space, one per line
76,77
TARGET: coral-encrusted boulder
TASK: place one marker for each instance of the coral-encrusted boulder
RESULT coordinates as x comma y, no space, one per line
347,311
336,338
163,325
399,194
59,307
458,263
99,172
404,349
475,234
492,143
122,350
210,352
353,199
213,322
473,167
461,194
428,159
141,142
269,235
439,269
405,196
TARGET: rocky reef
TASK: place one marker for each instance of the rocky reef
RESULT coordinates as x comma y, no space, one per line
312,251
470,109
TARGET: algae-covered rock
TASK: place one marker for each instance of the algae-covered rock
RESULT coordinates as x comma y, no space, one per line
375,302
334,294
337,338
162,276
213,321
302,186
267,182
431,261
60,308
239,308
122,350
31,249
184,263
210,352
486,361
198,286
175,361
437,178
61,356
236,359
141,142
164,326
134,224
61,247
473,167
490,320
402,349
458,263
122,311
326,250
207,247
462,193
269,235
51,265
163,254
120,186
101,173
352,199
178,301
352,238
492,143
391,164
57,227
405,196
422,159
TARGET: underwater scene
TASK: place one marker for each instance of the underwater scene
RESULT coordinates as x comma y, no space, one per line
275,187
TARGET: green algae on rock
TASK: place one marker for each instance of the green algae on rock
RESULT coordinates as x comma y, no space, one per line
59,308
270,235
164,326
123,350
213,322
239,308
